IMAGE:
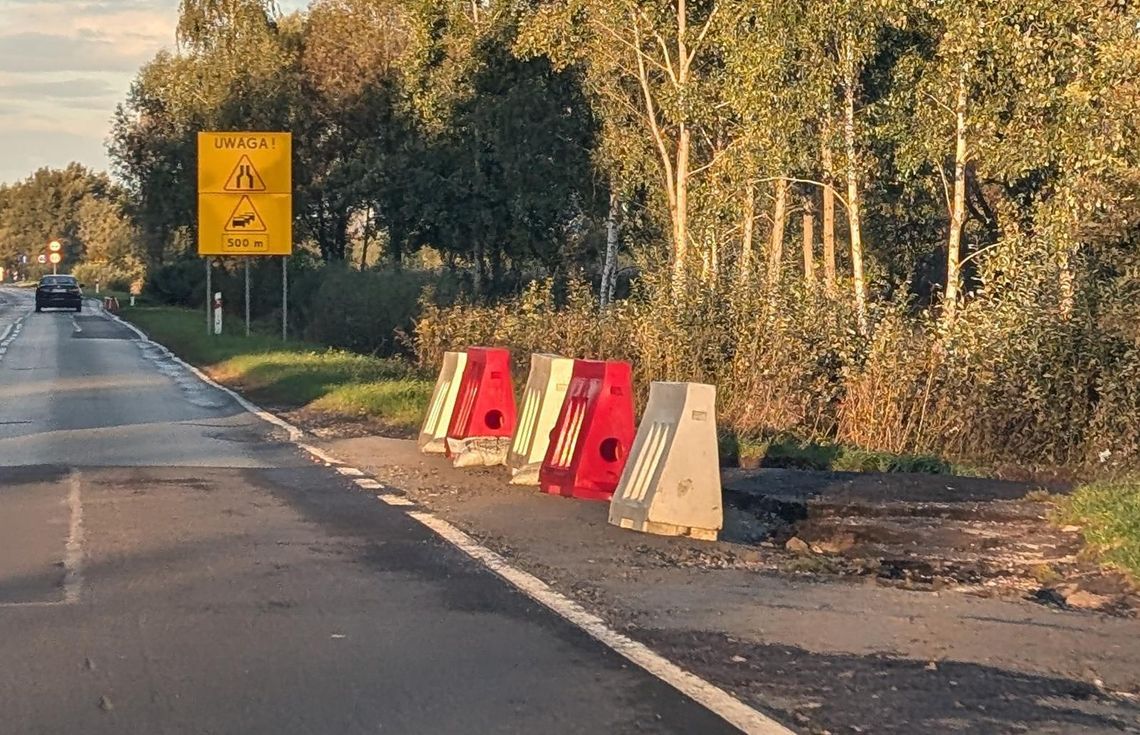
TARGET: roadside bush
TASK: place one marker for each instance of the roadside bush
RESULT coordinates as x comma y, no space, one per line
181,283
1016,380
371,312
114,276
776,359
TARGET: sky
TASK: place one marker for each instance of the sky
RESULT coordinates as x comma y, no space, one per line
64,65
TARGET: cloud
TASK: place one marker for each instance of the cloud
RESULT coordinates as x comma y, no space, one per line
64,65
33,51
26,150
79,88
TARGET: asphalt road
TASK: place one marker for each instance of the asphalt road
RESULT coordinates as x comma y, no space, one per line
168,564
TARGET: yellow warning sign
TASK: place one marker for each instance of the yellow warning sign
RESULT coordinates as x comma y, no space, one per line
245,162
249,224
245,177
245,184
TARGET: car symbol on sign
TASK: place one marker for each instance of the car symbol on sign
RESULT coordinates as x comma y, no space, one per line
244,220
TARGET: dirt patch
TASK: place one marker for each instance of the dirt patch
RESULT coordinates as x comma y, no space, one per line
928,532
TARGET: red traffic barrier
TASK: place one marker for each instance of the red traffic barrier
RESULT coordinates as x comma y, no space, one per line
593,434
485,404
111,304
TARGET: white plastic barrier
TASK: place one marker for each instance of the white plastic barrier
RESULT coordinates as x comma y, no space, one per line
433,435
671,483
542,400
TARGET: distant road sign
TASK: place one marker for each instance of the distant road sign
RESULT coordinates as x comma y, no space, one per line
41,259
55,246
55,258
245,193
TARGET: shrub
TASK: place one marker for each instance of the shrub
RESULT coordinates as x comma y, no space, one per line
114,276
369,312
181,283
1015,380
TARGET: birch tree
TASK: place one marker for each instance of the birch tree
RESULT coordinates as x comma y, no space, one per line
651,61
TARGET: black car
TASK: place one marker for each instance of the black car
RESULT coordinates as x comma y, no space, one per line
60,292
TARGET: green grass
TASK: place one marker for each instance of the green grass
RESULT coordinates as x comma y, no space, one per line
791,453
1109,516
293,374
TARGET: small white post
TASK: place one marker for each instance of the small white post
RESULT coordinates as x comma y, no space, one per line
218,313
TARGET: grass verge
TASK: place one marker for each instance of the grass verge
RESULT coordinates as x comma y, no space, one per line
293,374
1109,516
791,453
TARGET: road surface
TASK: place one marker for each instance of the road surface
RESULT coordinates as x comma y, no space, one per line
169,564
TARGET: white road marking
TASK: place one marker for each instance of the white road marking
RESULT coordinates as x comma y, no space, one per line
712,697
73,553
320,454
369,484
699,690
11,332
74,323
350,471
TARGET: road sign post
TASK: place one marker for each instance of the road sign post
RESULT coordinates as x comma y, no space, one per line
209,291
284,298
54,248
246,261
245,200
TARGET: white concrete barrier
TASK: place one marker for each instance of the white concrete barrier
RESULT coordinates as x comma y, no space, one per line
433,435
671,483
545,391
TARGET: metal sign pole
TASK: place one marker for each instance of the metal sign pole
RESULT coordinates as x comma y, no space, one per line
209,300
284,297
246,295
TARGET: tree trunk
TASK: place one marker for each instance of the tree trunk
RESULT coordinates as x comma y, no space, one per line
748,228
681,210
479,277
779,223
609,266
809,244
396,247
828,210
849,82
684,135
496,279
958,207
